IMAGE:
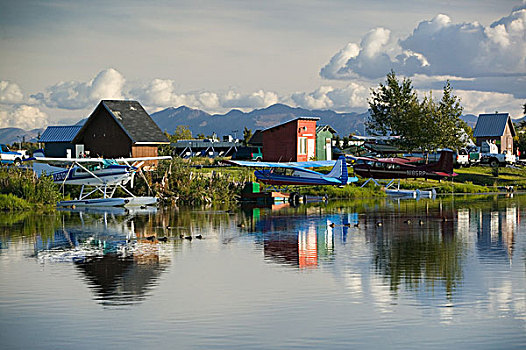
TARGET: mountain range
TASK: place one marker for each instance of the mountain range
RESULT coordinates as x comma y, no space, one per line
14,135
234,122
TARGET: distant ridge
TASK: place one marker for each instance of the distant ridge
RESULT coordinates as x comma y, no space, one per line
235,121
11,135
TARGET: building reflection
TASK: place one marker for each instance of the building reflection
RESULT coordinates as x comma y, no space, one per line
113,252
495,233
299,241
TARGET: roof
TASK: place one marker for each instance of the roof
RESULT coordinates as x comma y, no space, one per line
327,127
290,121
493,125
257,138
60,133
133,120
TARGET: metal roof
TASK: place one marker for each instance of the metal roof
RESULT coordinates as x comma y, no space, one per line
60,133
290,121
492,124
326,127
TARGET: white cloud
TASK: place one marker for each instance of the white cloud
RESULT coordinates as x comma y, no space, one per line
476,102
258,99
327,97
10,93
441,47
23,116
108,84
162,93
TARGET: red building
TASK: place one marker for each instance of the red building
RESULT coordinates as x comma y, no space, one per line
292,141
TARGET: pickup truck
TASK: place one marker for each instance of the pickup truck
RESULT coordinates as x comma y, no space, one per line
488,154
11,157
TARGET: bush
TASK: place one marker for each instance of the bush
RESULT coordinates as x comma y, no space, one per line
24,184
12,202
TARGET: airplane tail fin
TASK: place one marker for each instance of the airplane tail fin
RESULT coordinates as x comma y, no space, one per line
445,162
339,170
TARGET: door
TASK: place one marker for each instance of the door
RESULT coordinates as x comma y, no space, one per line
328,149
311,149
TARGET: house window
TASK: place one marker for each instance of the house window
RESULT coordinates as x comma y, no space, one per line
302,145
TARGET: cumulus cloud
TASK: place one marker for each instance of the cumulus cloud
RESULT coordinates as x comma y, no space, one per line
10,93
108,84
327,97
23,116
162,93
440,47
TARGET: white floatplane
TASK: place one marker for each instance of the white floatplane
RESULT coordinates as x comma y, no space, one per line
104,175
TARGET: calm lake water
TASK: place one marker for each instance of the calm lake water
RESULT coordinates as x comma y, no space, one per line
443,273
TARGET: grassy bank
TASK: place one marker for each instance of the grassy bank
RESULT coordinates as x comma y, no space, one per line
21,190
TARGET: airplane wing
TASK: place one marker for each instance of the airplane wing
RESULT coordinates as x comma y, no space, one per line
311,164
93,160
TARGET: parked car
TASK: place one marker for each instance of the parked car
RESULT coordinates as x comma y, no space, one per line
248,153
11,157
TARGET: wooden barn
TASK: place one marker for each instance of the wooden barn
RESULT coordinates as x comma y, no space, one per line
119,128
497,128
292,141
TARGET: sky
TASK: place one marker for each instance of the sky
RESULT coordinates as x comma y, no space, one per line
60,58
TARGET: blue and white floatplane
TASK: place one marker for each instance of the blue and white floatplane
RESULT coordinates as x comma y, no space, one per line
101,175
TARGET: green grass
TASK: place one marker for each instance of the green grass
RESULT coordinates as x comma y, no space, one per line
10,202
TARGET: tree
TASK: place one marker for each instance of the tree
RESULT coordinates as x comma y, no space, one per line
247,134
395,110
390,105
182,132
450,126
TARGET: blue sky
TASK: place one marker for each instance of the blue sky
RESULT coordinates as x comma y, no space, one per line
59,58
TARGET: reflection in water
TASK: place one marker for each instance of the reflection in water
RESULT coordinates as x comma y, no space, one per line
109,248
418,246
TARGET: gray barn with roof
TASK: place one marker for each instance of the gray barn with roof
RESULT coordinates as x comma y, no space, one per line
58,140
497,128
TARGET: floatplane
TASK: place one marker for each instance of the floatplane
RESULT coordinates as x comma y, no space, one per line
397,168
282,175
103,175
298,174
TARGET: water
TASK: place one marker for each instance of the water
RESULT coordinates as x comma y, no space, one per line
364,274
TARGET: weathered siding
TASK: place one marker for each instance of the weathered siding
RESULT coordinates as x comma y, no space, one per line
103,137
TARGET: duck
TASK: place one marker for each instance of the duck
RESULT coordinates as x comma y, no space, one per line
379,223
356,225
163,239
151,238
420,222
199,237
188,238
408,221
332,224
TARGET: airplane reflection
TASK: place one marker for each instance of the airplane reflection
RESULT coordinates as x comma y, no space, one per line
110,250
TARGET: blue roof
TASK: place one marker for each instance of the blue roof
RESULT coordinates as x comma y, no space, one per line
60,133
492,124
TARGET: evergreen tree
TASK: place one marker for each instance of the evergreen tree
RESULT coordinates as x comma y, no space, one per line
390,105
247,134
